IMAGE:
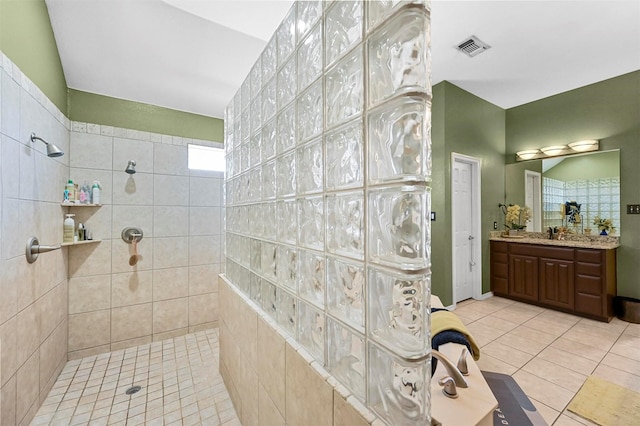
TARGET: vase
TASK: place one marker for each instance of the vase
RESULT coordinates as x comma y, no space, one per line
603,232
513,232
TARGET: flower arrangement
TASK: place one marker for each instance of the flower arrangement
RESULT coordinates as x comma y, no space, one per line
516,217
605,225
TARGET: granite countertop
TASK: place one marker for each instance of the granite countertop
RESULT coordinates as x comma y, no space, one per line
571,240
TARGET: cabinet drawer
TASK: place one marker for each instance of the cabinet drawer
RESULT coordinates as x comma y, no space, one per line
591,269
500,258
589,285
560,253
499,247
591,256
500,270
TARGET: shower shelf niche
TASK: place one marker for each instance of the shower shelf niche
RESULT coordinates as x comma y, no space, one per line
78,243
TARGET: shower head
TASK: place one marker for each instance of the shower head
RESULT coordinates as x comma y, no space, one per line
131,167
52,150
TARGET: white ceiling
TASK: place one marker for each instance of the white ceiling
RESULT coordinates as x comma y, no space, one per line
192,55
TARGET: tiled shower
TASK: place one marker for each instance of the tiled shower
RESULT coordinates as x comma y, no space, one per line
87,299
172,289
327,202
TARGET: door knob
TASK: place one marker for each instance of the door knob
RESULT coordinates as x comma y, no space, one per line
471,237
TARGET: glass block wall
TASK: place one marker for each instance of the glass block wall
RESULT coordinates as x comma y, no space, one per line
597,197
327,194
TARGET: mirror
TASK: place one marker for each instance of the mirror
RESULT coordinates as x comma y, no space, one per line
590,182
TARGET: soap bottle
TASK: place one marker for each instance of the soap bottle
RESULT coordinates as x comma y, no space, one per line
70,191
85,193
95,192
81,232
68,229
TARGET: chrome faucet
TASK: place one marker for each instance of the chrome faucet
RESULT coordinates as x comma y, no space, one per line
448,365
452,370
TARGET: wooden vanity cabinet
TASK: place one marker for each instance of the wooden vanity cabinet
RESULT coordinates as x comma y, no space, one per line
575,280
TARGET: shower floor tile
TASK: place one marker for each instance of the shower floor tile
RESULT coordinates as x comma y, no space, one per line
178,379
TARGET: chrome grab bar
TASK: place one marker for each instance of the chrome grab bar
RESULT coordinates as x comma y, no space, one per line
34,249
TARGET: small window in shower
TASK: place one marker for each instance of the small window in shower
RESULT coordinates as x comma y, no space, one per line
206,158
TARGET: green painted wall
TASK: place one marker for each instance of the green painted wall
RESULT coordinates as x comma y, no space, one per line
595,165
27,39
92,108
608,111
464,124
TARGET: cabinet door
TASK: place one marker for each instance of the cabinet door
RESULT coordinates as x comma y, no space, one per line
557,283
523,277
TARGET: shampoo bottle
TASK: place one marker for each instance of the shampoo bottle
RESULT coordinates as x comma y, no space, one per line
68,229
70,191
95,192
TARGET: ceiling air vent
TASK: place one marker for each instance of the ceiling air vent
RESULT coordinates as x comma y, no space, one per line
472,46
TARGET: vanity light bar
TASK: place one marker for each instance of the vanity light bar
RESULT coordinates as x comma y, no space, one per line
551,151
584,146
555,150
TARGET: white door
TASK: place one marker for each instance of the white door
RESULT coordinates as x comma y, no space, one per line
464,235
533,199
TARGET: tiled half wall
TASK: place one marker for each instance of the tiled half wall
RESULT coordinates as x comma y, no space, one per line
327,197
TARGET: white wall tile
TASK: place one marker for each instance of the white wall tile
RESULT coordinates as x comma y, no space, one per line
11,246
10,107
88,294
204,221
171,252
203,250
28,181
170,160
205,191
133,189
203,278
131,288
90,151
29,225
170,221
170,283
170,314
34,118
90,259
10,167
171,190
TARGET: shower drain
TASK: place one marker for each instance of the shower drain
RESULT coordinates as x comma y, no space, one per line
132,390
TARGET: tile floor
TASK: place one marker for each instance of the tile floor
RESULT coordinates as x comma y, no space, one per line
550,354
179,379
